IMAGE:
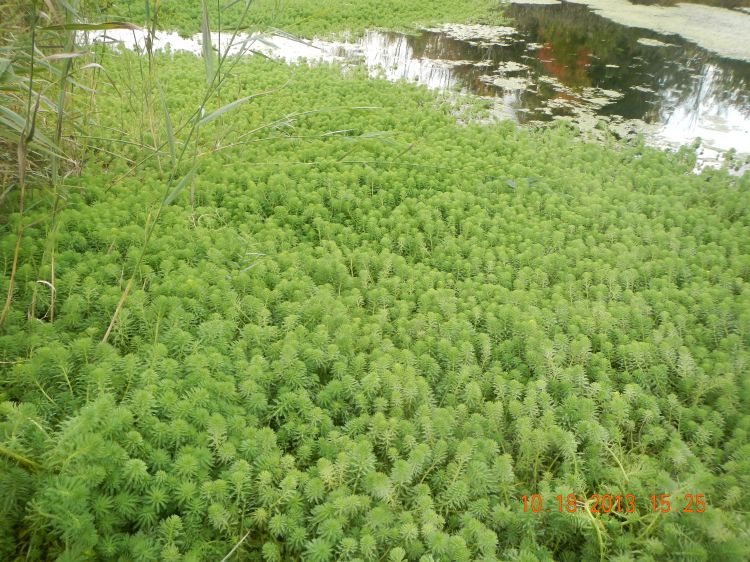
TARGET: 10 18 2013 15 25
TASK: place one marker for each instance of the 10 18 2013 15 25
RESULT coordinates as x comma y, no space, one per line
616,503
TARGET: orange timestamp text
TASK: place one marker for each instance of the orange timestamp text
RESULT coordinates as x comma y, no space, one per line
615,503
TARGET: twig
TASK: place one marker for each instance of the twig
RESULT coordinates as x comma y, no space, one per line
118,309
235,547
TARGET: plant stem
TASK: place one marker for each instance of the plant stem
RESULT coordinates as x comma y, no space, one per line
20,459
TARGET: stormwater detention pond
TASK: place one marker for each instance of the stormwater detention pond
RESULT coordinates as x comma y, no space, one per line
558,61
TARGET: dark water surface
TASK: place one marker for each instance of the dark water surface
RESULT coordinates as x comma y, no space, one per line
565,61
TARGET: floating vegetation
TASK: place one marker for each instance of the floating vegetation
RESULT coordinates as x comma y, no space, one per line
537,2
649,42
260,312
365,332
723,36
508,82
476,34
307,18
511,66
599,97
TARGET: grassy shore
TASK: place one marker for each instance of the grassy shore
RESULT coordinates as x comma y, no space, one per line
309,18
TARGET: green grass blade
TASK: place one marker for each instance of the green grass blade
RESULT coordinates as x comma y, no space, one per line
8,132
224,109
170,131
179,187
230,5
68,8
6,69
233,105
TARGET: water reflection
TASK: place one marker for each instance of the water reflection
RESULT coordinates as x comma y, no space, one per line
708,110
566,62
393,56
682,90
561,62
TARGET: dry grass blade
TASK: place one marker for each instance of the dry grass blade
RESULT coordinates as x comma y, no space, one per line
120,303
92,26
61,56
208,51
236,546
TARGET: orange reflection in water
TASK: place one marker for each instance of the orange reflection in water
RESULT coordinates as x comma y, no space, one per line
570,70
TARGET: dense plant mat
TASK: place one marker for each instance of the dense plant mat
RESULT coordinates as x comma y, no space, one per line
308,18
365,332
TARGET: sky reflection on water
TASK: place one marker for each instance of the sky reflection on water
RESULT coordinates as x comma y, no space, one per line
562,62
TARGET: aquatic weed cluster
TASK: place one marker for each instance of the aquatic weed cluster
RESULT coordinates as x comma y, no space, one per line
310,17
367,338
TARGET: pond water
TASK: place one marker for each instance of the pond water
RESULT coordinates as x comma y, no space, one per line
563,61
559,61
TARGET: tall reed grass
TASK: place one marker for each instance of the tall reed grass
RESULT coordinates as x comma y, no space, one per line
44,63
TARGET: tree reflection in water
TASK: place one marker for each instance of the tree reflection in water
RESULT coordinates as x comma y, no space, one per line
569,56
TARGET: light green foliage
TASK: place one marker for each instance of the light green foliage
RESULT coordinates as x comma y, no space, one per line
311,17
367,345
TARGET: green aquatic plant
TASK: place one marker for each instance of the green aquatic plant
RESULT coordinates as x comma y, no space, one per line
307,17
336,348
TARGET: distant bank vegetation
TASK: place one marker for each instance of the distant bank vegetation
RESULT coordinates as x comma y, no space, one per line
312,17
